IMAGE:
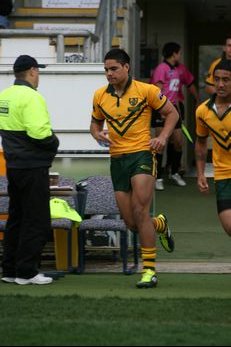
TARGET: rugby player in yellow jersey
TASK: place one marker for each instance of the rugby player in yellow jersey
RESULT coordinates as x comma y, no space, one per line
213,117
209,82
126,106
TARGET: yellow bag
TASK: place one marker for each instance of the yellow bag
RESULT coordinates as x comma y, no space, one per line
60,209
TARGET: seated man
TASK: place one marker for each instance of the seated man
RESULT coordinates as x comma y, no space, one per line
6,7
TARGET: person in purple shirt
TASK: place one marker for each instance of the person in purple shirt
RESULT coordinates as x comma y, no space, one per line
171,76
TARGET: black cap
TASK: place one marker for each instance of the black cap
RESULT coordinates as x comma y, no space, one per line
25,62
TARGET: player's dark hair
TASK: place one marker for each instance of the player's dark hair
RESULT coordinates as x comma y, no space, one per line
119,55
170,48
227,37
224,64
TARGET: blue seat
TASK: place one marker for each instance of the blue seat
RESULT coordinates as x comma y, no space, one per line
98,199
56,223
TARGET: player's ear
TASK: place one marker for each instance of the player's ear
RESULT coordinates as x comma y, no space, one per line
127,66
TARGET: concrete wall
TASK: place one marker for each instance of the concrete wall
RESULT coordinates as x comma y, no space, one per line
68,90
12,47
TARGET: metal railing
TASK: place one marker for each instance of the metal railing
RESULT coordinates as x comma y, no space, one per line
105,27
89,46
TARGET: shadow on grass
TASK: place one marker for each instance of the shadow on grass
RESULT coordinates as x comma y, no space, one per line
78,321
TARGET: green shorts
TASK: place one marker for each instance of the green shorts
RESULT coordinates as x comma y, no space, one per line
125,166
223,194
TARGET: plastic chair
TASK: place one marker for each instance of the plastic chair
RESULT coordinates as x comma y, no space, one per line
98,199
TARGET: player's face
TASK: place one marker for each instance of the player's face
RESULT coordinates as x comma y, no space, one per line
34,76
227,49
116,72
222,83
177,56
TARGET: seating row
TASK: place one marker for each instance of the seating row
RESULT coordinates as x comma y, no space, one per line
91,197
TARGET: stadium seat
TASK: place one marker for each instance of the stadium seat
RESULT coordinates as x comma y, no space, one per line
100,200
64,230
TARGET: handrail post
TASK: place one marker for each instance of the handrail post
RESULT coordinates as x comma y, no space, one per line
60,48
87,50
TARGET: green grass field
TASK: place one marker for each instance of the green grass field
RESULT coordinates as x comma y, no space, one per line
194,221
107,310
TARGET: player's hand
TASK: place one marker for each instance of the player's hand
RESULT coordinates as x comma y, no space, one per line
103,138
202,184
157,144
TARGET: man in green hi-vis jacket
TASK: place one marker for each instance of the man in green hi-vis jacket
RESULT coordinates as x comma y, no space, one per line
29,146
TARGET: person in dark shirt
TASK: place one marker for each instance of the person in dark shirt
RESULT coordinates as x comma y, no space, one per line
6,7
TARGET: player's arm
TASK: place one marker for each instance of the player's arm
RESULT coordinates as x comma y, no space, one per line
169,112
188,80
159,84
98,132
193,90
97,124
96,127
201,151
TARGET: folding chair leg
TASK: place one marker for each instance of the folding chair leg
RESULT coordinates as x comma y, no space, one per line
124,250
81,258
124,253
69,251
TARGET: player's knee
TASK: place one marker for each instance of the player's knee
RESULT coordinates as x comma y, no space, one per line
131,226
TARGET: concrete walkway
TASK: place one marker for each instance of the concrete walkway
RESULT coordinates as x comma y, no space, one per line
195,267
166,267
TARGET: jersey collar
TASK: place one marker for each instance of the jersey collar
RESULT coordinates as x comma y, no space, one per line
211,101
111,89
19,82
170,65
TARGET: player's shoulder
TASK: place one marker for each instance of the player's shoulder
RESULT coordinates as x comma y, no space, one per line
215,62
101,90
143,86
203,105
140,83
182,67
163,66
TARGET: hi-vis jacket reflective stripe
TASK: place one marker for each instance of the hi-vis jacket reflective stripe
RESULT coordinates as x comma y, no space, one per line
27,138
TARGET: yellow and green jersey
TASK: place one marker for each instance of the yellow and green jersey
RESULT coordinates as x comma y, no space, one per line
209,79
209,123
128,117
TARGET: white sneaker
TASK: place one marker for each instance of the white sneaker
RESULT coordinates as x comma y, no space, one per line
38,279
160,184
8,279
178,180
